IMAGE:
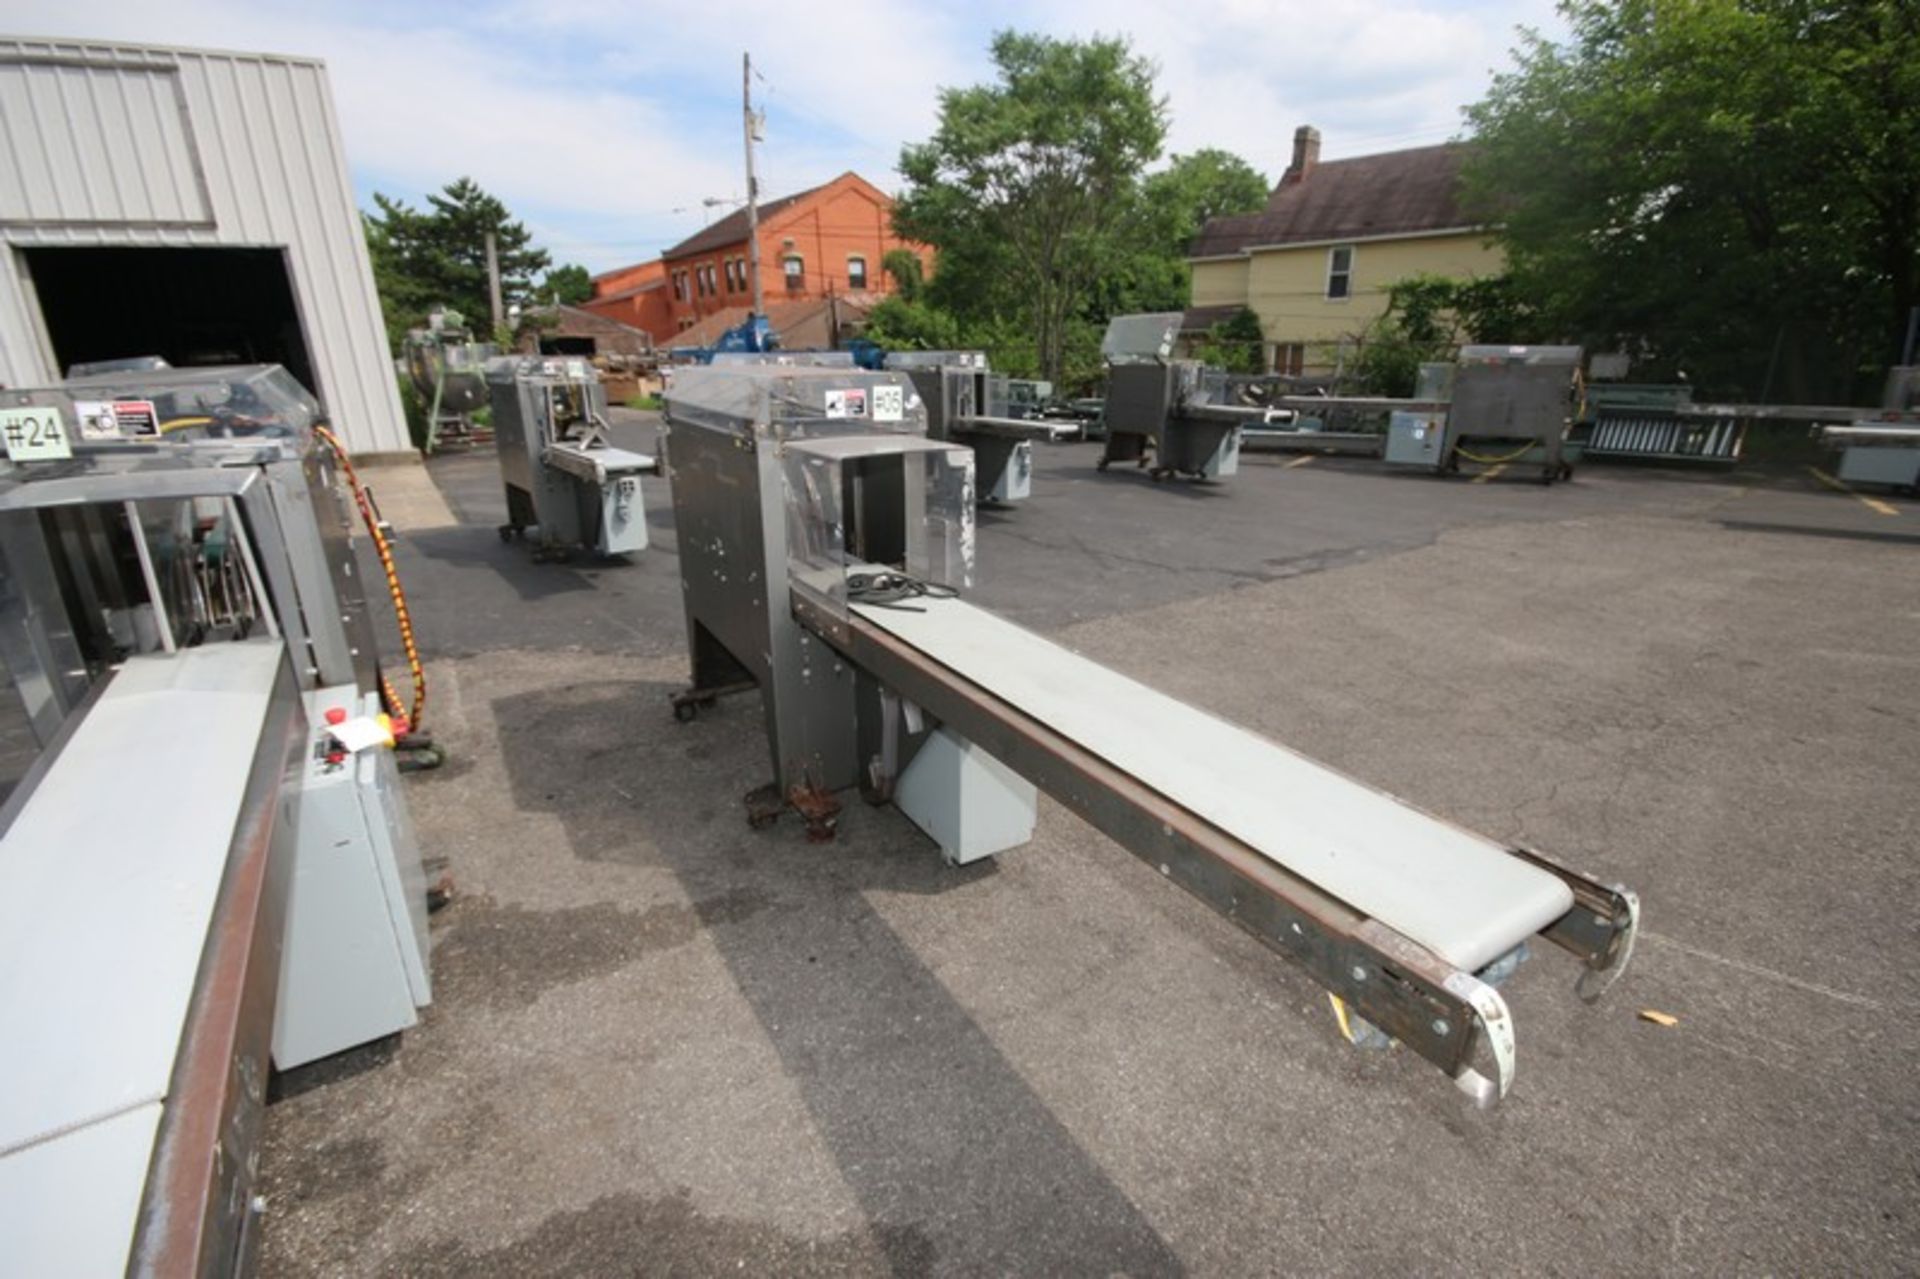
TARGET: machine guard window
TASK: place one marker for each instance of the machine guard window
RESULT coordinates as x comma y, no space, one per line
866,504
1340,273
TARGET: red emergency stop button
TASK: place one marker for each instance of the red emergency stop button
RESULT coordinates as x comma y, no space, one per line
336,714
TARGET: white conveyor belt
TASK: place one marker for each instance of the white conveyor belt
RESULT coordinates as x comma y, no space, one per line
70,1206
1461,896
108,881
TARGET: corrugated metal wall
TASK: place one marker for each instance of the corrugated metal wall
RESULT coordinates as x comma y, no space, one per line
129,146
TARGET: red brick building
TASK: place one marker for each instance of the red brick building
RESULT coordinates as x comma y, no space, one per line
827,242
635,296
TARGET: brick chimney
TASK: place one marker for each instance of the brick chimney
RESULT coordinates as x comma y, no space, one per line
1306,154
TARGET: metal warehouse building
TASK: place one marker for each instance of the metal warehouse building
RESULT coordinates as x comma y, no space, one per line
191,204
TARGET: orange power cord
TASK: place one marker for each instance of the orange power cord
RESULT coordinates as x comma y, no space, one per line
410,723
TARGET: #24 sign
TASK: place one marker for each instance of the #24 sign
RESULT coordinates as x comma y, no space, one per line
34,435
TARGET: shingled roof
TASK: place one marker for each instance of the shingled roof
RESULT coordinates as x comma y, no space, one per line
732,229
1394,193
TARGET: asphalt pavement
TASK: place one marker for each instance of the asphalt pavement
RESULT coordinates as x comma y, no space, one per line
663,1043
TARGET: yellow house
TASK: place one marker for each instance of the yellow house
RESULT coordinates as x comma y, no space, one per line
1316,263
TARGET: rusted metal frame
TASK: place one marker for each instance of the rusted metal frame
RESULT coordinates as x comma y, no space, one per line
196,1213
1401,987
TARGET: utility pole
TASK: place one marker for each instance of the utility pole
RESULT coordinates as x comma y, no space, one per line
493,281
751,126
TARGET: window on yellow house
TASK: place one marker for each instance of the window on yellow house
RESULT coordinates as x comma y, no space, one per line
1340,272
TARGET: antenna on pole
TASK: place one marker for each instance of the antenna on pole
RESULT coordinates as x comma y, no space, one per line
751,127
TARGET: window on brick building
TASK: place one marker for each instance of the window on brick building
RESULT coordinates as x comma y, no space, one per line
796,270
856,271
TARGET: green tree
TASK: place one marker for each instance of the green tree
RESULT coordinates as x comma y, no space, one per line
1176,203
438,257
1028,182
1235,344
1428,318
569,285
906,271
901,324
1729,188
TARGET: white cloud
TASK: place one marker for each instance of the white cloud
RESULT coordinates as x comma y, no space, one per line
596,122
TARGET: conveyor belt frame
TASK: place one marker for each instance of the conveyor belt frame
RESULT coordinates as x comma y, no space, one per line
1440,1012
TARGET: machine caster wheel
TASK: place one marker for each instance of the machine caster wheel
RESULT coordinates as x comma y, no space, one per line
1101,465
688,705
508,532
1157,475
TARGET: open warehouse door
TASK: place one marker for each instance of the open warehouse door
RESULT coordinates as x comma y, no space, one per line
191,306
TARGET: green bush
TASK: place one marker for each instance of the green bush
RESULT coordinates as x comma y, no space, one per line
415,411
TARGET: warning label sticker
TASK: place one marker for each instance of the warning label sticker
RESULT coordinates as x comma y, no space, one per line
848,403
136,417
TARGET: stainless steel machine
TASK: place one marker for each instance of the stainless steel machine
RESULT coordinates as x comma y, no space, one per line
1509,406
828,556
968,404
564,480
205,864
1170,416
448,370
1883,448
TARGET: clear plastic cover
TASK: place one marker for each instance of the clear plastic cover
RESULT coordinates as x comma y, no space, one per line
862,506
936,359
795,401
177,405
790,359
1141,339
1494,354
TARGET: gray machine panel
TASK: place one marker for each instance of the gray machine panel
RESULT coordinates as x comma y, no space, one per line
354,967
1894,466
1416,439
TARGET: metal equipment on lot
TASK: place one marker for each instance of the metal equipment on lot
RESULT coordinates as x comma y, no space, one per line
563,479
205,862
448,370
1168,415
969,405
1660,423
1883,447
1509,406
827,557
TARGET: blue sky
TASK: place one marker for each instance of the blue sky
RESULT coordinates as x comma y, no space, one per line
605,125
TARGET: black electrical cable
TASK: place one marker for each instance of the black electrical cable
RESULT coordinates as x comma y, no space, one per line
887,589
